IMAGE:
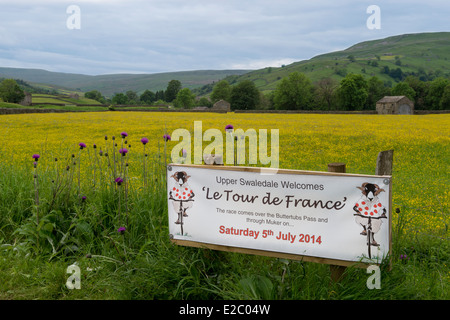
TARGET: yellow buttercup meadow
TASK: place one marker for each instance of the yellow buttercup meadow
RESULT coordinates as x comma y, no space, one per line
306,142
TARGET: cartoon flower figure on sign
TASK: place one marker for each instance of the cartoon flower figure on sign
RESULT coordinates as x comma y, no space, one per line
369,212
181,196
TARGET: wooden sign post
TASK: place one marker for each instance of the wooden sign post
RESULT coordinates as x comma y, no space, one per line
337,272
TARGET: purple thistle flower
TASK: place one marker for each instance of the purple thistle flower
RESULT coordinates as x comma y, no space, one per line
229,129
167,137
124,134
83,198
121,230
123,151
144,141
36,157
119,181
82,145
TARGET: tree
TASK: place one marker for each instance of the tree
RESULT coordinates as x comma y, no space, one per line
221,91
132,97
265,101
293,93
435,93
95,95
10,91
445,100
185,99
173,87
420,88
396,74
148,97
119,98
403,89
159,95
244,96
352,92
204,102
375,91
325,93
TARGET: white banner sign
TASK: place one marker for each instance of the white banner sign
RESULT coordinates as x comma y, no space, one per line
315,214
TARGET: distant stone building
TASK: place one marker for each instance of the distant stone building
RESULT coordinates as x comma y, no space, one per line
395,105
74,96
26,101
221,105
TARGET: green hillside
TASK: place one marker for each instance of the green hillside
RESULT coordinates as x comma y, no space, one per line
426,55
116,83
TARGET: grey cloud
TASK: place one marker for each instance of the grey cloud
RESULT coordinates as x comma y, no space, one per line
172,35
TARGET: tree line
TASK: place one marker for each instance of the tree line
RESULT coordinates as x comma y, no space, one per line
294,92
353,93
297,92
174,94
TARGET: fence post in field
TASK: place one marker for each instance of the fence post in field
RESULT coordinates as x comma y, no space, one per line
337,271
384,163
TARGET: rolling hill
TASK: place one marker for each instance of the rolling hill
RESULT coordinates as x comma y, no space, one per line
426,55
116,83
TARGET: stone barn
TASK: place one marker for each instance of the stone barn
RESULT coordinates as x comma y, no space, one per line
222,105
395,105
26,101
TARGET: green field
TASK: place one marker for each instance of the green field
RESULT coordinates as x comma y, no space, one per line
68,209
61,99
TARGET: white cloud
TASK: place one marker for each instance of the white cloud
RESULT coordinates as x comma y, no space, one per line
260,64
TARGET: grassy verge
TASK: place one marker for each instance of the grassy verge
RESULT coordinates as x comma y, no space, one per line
142,263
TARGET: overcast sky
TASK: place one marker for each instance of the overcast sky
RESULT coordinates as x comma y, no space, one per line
137,36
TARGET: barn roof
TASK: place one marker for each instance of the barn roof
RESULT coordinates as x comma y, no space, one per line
391,99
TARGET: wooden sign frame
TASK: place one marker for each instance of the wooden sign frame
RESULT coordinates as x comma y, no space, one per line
282,255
